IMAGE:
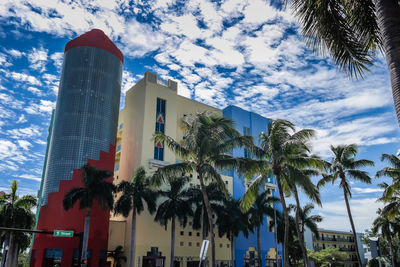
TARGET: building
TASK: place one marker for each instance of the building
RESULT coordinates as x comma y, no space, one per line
152,105
250,123
337,239
84,131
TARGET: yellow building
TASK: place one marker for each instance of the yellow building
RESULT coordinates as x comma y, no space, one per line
149,104
344,241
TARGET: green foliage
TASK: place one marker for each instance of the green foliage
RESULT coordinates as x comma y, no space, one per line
95,187
135,194
327,257
16,212
175,202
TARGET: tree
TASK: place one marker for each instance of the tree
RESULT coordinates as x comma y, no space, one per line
309,221
209,139
263,205
328,257
303,181
350,31
283,151
95,188
344,166
200,217
134,194
117,255
388,229
391,194
175,204
16,212
231,222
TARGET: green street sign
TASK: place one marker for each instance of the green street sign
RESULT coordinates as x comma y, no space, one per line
63,233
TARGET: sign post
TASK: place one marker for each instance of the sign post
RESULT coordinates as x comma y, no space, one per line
203,251
63,233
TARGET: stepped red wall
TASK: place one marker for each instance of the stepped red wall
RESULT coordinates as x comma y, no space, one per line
54,217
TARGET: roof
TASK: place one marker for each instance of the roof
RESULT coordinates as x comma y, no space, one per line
95,38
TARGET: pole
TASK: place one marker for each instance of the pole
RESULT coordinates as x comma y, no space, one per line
80,235
276,235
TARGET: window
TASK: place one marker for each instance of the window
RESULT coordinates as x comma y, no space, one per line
226,182
160,127
198,233
121,126
190,244
220,245
227,245
181,244
190,233
182,232
198,244
116,168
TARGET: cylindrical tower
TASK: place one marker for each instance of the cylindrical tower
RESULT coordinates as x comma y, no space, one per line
84,131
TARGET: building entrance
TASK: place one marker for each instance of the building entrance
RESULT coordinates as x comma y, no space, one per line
153,258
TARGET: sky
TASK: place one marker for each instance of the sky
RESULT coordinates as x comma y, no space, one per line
234,52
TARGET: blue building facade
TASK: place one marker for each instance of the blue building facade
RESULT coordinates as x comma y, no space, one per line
249,123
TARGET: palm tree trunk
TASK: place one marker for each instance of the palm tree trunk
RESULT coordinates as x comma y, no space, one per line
172,241
5,251
392,251
10,253
133,233
300,234
387,12
210,219
86,230
352,227
233,250
286,216
259,246
205,231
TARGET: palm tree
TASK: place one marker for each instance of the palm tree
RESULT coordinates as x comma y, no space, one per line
392,171
134,195
16,212
175,204
231,222
391,198
302,179
350,31
117,256
309,221
95,188
263,205
344,166
388,228
200,217
284,151
209,139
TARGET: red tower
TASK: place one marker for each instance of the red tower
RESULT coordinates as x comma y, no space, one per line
84,131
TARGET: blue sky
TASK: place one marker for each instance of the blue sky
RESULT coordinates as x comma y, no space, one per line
244,53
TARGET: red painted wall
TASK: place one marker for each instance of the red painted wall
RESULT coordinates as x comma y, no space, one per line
54,217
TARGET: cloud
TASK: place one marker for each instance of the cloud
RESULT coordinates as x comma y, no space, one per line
3,60
38,58
360,190
335,214
27,132
35,91
22,77
25,145
57,59
15,53
22,119
30,177
44,107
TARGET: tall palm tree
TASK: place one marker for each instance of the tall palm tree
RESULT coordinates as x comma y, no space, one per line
95,188
303,181
117,255
175,204
209,139
15,212
391,198
231,222
388,228
200,217
134,195
392,171
263,205
344,166
309,221
350,31
283,151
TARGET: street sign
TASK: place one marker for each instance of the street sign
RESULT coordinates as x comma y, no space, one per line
63,233
203,251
